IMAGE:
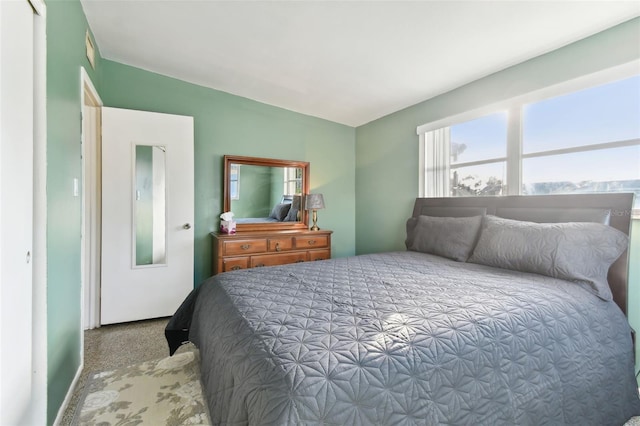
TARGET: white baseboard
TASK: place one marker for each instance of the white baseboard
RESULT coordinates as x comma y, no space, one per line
67,398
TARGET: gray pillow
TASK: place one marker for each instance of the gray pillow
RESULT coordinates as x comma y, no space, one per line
451,237
579,252
292,216
279,211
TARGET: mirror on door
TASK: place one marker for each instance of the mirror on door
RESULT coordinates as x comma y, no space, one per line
149,206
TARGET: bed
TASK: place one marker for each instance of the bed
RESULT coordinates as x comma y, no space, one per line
286,210
516,324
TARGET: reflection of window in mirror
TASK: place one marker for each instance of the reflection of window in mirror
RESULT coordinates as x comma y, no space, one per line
234,183
292,180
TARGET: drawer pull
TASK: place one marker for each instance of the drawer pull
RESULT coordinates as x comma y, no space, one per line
259,265
299,261
311,242
245,246
278,247
320,258
236,268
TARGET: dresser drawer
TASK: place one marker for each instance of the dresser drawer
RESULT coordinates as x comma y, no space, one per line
268,248
319,254
311,241
234,263
235,247
278,259
280,244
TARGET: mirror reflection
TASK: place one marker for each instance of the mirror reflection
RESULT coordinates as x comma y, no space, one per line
150,205
263,194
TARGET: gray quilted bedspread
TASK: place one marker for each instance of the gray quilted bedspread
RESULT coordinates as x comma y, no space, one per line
408,338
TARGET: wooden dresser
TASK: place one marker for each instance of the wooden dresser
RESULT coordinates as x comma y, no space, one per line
254,249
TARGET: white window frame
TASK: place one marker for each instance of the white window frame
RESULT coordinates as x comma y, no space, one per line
234,176
291,180
514,108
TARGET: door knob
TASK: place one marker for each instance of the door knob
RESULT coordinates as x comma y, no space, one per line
187,226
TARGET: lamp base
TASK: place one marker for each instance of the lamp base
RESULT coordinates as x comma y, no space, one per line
315,220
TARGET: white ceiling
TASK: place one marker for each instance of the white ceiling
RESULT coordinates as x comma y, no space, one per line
346,61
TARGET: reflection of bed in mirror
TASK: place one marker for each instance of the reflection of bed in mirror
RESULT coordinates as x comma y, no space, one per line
286,209
265,193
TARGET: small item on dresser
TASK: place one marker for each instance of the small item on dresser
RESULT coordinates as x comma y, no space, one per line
227,224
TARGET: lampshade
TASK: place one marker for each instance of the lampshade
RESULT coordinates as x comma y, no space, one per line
314,202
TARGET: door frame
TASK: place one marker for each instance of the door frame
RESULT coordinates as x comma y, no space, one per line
91,205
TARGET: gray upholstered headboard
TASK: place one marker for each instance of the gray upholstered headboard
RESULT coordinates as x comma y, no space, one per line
611,209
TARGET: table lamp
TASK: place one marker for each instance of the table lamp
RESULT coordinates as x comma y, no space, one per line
314,202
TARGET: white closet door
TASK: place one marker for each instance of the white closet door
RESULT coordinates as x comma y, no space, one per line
16,208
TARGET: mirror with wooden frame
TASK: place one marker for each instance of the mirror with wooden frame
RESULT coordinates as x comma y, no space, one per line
265,193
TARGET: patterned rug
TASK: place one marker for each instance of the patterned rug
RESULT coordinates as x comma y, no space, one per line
160,392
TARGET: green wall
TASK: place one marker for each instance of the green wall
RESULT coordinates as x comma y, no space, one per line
224,124
386,149
277,186
66,28
228,124
255,188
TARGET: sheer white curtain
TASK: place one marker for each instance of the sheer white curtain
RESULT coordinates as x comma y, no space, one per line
436,157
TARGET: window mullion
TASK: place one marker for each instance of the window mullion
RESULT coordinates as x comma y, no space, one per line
514,151
478,163
584,148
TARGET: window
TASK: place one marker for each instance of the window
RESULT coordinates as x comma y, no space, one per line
478,150
606,113
581,142
586,141
292,180
234,181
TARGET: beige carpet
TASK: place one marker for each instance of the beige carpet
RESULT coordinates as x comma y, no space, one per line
114,346
633,421
165,391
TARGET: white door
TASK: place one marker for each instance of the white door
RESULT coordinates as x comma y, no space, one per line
16,208
147,214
